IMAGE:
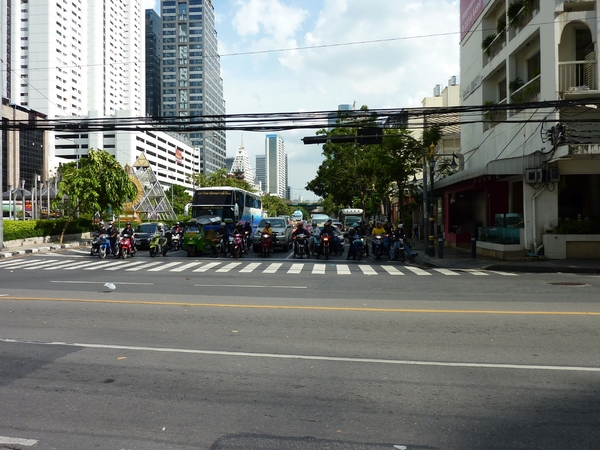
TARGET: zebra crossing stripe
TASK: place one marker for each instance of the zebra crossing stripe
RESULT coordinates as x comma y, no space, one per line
120,264
36,265
476,272
505,274
228,267
367,270
92,266
157,269
63,264
250,268
296,268
186,266
343,269
446,272
12,262
22,262
274,267
417,271
392,270
144,266
319,269
205,267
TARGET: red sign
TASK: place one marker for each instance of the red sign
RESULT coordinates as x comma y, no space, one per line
470,10
178,156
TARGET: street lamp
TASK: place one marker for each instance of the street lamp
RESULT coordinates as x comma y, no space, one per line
431,246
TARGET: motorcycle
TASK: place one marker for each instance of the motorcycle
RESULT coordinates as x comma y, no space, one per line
247,241
265,244
103,246
400,249
158,245
301,246
95,244
217,246
378,246
176,236
317,246
326,245
126,246
237,245
357,244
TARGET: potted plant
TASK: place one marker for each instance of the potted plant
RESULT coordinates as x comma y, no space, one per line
488,44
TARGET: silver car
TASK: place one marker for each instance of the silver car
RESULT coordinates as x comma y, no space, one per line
282,230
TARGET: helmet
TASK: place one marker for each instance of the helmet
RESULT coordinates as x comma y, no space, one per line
330,221
314,224
268,224
354,225
127,223
300,224
110,222
400,226
159,225
101,224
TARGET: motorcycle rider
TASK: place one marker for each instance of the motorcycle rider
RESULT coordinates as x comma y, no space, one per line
328,230
397,235
268,230
315,232
129,230
353,235
223,233
298,231
378,229
113,233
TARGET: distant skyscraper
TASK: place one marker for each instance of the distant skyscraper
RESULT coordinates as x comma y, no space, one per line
241,163
276,165
335,117
261,172
153,56
191,82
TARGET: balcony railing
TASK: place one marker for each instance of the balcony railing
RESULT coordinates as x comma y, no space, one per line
528,92
574,76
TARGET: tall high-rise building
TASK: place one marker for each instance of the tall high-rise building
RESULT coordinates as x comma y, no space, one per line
260,178
276,166
153,57
191,83
241,164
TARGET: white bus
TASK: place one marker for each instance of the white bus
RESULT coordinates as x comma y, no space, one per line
231,204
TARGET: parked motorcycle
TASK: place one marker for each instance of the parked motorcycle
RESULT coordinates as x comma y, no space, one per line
237,245
301,245
158,245
126,246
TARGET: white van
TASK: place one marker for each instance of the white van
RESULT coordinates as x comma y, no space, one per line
320,219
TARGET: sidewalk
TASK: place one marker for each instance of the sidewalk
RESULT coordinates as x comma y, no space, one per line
41,245
459,259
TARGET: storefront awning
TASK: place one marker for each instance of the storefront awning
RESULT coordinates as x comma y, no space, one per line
505,166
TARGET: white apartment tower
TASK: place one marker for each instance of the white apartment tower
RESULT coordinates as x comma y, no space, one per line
276,166
241,164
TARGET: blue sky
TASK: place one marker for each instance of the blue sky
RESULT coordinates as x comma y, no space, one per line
418,48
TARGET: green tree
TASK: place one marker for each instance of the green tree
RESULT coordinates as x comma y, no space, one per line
219,178
180,198
275,206
99,184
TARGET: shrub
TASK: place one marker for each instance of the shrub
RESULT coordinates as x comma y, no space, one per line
578,227
18,229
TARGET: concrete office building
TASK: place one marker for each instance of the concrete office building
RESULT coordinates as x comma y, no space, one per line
191,82
275,165
153,64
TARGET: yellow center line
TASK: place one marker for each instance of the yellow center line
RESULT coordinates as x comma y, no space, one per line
308,308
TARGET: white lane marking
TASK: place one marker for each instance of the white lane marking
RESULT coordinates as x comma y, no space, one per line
186,266
244,286
143,266
417,271
205,267
476,272
273,267
319,269
166,266
11,262
36,265
63,264
93,266
314,357
20,263
296,268
367,270
101,282
5,440
228,267
342,269
392,270
446,272
250,268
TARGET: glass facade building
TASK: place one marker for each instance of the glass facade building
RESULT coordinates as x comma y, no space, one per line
192,87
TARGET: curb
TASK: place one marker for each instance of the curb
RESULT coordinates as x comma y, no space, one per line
44,249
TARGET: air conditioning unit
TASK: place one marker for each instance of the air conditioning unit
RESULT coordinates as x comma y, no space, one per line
553,175
533,176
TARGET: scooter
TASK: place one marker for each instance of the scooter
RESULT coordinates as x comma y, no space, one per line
326,245
301,246
265,244
237,245
175,241
126,247
95,244
356,247
103,246
158,245
317,246
378,246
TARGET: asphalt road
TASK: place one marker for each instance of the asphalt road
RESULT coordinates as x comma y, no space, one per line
278,353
